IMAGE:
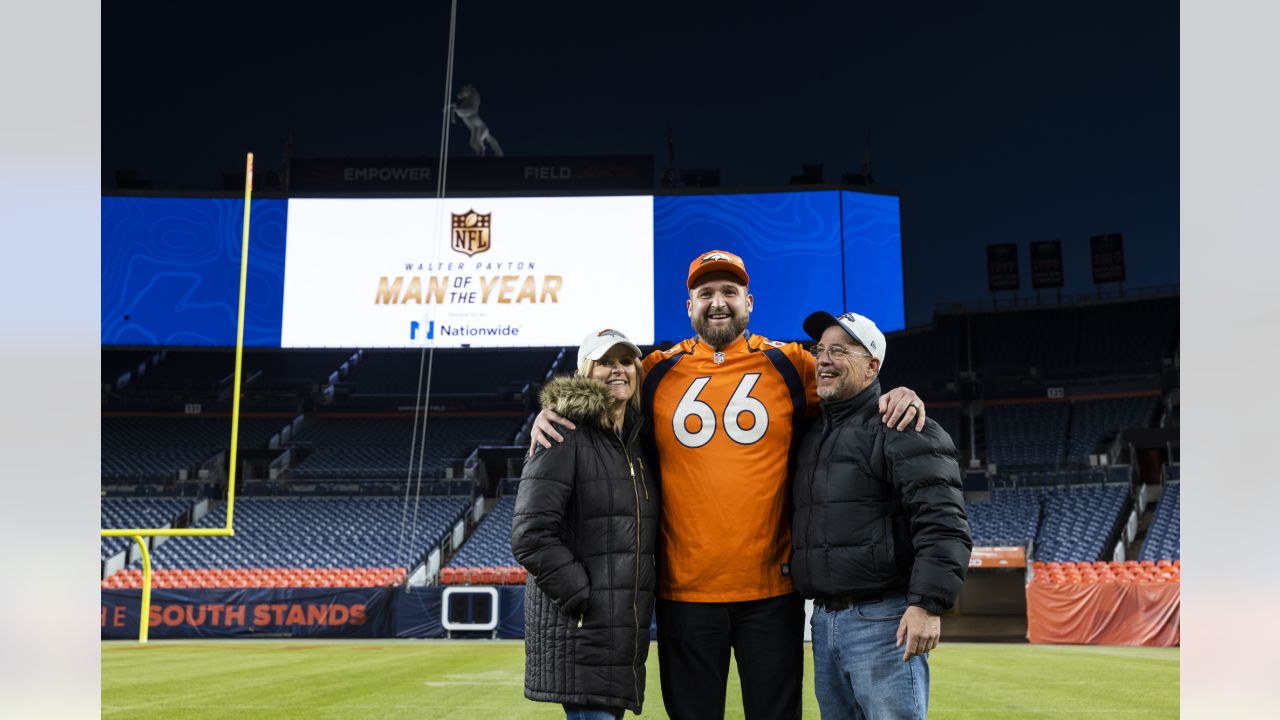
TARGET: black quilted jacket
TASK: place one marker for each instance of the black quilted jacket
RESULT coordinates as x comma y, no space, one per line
585,527
878,511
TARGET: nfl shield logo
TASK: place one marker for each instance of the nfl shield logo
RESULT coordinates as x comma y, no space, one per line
718,358
470,232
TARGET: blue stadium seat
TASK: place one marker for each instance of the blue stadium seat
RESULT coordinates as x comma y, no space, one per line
339,532
1164,536
136,513
1010,517
490,543
1078,521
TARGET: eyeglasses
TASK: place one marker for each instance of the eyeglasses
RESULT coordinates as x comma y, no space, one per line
835,351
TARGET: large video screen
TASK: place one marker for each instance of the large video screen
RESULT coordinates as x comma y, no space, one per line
789,242
485,272
171,271
470,272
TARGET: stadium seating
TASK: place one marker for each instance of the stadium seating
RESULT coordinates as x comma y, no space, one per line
310,539
1093,421
1028,434
151,463
116,363
309,366
397,372
1078,521
180,371
1129,337
1010,517
151,447
274,381
1129,571
485,558
180,431
136,513
923,360
1164,536
371,447
949,419
1025,343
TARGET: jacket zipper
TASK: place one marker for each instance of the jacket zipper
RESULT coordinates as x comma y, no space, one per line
635,586
643,484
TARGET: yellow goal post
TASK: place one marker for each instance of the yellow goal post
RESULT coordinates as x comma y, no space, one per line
229,529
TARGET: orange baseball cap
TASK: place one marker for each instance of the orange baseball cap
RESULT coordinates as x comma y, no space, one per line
717,260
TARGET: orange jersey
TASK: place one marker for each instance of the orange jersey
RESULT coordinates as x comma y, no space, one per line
724,424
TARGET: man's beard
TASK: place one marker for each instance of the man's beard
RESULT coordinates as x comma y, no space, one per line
721,336
831,392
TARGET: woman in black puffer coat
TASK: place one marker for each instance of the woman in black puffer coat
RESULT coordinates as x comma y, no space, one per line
585,527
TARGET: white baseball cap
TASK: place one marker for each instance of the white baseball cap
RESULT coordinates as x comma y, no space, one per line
859,327
596,344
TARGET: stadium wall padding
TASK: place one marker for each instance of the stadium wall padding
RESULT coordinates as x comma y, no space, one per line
217,613
321,613
1105,613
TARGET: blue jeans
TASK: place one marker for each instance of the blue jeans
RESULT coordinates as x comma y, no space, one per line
583,712
857,671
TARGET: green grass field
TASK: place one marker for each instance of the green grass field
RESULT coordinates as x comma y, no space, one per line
425,679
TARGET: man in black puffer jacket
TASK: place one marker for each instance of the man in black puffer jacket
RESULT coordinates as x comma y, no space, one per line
586,527
881,541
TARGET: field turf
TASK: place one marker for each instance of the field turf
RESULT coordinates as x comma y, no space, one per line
426,679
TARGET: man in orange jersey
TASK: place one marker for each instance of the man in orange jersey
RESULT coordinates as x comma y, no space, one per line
726,407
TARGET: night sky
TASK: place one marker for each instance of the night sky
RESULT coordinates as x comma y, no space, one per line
995,122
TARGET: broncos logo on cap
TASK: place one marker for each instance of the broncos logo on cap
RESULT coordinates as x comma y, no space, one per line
610,333
715,256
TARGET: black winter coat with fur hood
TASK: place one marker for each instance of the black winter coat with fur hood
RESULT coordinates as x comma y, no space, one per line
586,527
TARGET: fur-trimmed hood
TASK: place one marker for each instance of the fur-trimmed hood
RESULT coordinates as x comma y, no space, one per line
578,398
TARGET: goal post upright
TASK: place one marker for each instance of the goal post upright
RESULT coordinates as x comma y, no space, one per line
235,393
228,529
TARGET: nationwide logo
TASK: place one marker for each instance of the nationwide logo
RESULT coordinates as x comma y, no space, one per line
415,326
470,232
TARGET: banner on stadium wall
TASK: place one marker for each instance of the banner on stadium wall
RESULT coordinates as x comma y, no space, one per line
213,613
1002,267
297,612
1002,556
482,272
472,174
1046,264
1108,258
1105,613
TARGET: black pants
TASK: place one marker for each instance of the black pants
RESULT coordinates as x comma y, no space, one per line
767,639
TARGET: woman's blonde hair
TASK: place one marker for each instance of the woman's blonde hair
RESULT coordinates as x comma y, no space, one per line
587,366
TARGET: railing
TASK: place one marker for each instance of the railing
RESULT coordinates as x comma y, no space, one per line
1024,302
280,464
